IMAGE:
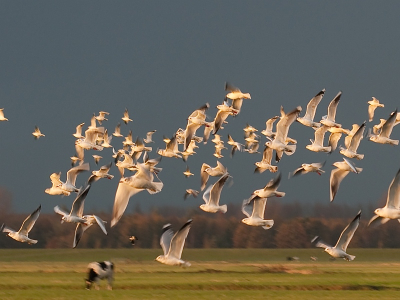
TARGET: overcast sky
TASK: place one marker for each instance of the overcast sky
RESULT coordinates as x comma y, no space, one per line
62,61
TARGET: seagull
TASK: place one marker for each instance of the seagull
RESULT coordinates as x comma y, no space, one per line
78,133
189,192
2,118
236,96
329,120
265,163
89,141
82,227
308,119
37,134
102,173
189,150
171,149
268,127
149,137
129,186
235,145
107,140
224,111
392,208
373,104
97,158
69,184
384,136
337,175
56,186
255,215
127,163
195,120
117,131
76,213
172,245
102,116
307,168
212,195
279,144
22,234
351,151
207,171
318,143
339,250
126,118
187,173
270,189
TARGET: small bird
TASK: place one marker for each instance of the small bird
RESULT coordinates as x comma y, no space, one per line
69,185
307,168
149,137
255,215
337,175
102,173
172,245
187,173
126,118
133,239
102,116
373,104
22,234
265,163
329,120
78,132
189,192
351,150
207,171
2,118
37,134
76,213
339,250
97,158
308,119
117,131
384,136
235,145
82,227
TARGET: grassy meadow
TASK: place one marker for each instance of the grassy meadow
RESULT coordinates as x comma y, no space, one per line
214,274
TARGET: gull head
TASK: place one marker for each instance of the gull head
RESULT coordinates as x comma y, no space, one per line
160,258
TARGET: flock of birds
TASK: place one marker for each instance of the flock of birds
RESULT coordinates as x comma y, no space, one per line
134,156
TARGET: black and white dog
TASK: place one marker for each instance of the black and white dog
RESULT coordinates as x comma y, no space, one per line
100,270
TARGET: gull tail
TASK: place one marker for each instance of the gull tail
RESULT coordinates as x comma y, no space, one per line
350,257
268,224
223,208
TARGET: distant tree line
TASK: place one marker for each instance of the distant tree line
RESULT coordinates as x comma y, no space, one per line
295,225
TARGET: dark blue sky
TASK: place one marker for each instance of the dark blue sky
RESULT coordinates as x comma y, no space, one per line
63,61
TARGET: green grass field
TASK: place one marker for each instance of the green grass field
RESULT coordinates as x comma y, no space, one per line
214,274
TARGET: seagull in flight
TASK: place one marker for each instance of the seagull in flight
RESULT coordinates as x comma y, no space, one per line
22,234
172,245
339,250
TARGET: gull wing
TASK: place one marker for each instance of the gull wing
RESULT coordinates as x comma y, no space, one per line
5,228
388,125
377,220
337,176
298,171
124,192
319,243
351,164
60,211
393,198
273,184
348,233
204,175
259,207
80,152
246,207
220,167
282,127
166,237
333,105
178,240
219,120
357,137
267,155
270,123
371,110
334,139
216,189
73,172
79,230
55,179
312,105
101,223
29,222
78,204
231,88
320,134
